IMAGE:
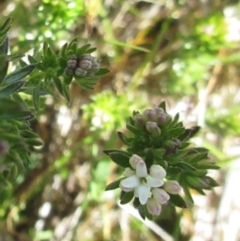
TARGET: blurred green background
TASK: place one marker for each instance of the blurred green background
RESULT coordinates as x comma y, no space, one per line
185,52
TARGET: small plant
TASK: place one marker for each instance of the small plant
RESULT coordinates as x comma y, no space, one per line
47,72
159,162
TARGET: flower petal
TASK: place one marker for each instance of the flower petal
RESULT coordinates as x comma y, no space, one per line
143,193
128,172
141,169
130,182
157,171
154,182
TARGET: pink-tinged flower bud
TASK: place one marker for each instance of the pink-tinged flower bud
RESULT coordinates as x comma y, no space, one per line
172,187
158,110
157,171
153,128
162,118
80,72
134,160
149,115
138,118
153,206
160,195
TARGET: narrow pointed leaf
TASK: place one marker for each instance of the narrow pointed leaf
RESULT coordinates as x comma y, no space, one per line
19,74
35,99
113,185
10,89
120,159
178,201
127,197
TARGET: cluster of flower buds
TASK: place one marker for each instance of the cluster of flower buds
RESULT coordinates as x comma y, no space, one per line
152,119
86,65
150,187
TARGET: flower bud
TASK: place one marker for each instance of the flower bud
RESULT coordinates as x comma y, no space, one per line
149,115
153,206
158,110
72,62
139,120
80,72
157,171
95,66
68,71
153,128
134,160
86,57
85,64
162,118
160,195
172,187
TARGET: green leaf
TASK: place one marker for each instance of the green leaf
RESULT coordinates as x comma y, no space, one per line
141,210
108,152
86,82
3,60
132,128
10,109
194,158
11,88
149,158
123,138
178,201
81,51
126,197
4,29
176,132
186,167
35,98
62,53
33,142
113,185
19,74
120,159
90,50
189,133
32,60
102,71
163,105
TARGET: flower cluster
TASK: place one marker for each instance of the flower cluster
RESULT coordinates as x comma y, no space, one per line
159,162
150,188
85,65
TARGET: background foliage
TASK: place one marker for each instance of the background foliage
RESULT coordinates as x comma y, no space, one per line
182,52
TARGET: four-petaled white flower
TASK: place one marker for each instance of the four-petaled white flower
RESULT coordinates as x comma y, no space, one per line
139,181
149,187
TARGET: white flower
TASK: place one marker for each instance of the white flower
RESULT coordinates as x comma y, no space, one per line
139,180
